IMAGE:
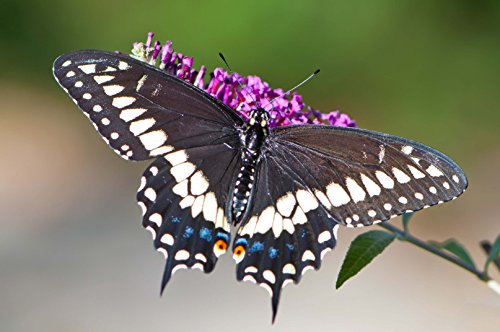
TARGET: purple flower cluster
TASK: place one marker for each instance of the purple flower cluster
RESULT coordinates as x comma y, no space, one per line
238,92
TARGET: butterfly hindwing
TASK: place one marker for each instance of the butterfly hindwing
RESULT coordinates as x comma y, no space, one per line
183,196
364,177
140,111
287,233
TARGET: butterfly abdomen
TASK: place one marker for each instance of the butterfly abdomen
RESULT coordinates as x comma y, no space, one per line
243,186
252,138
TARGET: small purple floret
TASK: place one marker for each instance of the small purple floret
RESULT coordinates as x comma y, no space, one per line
241,93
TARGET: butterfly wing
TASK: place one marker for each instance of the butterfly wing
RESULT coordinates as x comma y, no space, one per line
311,179
364,177
288,231
183,198
140,111
144,113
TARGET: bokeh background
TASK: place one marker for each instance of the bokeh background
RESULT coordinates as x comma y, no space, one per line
73,256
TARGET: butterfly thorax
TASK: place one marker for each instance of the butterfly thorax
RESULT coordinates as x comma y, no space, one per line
252,137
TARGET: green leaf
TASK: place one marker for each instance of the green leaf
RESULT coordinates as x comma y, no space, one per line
494,253
361,252
457,249
406,220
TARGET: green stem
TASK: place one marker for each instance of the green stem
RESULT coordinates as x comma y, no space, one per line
404,236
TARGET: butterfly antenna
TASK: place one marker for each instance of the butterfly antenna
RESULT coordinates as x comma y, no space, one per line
231,71
295,87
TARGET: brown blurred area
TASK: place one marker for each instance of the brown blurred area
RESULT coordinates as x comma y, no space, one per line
73,255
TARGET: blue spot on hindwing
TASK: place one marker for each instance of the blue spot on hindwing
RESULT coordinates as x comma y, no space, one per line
290,246
223,236
188,232
242,241
206,234
273,252
176,220
256,246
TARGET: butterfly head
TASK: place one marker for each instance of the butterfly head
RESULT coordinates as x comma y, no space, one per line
259,117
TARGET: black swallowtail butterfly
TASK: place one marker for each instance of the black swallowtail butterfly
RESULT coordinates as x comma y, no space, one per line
288,189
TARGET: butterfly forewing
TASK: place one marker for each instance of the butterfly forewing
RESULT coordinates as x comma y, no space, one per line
363,177
140,111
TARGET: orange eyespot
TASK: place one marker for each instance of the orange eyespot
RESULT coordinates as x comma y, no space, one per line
220,247
239,253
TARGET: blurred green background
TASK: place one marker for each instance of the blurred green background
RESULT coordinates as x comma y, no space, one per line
73,256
